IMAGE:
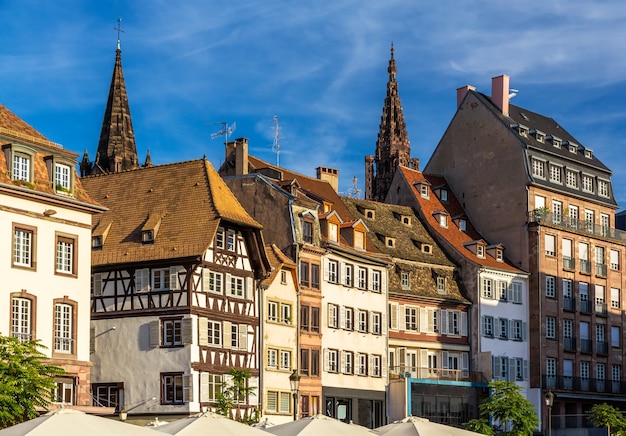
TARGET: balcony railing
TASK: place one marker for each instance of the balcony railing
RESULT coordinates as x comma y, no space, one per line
585,266
569,263
602,348
569,303
585,384
558,220
586,346
434,373
601,269
601,309
569,344
585,306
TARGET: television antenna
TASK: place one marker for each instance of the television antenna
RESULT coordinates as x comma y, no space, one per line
276,144
354,192
225,131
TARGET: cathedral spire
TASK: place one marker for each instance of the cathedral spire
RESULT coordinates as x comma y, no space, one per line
393,147
116,149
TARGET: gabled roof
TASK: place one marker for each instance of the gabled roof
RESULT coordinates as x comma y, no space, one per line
13,126
189,198
454,236
277,261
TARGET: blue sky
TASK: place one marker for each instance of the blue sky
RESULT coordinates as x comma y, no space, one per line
321,67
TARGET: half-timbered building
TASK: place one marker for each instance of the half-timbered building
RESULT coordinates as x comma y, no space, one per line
175,304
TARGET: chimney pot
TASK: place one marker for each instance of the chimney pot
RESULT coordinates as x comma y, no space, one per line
500,93
462,92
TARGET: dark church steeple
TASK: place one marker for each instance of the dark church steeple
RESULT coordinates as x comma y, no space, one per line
116,148
393,147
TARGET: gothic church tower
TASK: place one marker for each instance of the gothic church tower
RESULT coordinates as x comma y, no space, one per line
393,147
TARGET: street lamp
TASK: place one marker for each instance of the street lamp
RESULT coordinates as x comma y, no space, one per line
549,401
294,381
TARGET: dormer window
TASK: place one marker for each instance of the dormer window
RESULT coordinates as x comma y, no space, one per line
540,136
573,148
556,142
427,248
463,224
424,191
100,232
62,178
522,130
406,220
21,162
333,230
443,220
441,284
499,255
480,251
147,236
587,153
96,242
390,242
21,167
359,240
150,228
307,231
370,213
443,194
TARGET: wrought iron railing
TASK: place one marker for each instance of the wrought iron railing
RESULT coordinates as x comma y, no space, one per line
585,384
544,217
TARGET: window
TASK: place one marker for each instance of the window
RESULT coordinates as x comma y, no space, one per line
376,366
568,287
550,286
587,183
236,286
550,241
584,370
550,327
332,271
348,318
285,313
278,402
603,188
503,328
359,240
441,284
572,179
348,275
348,362
172,330
272,358
160,279
443,220
105,395
215,333
304,361
231,238
404,280
480,251
443,195
615,298
615,336
304,274
23,247
333,312
487,326
172,388
539,168
517,330
315,319
555,174
63,328
239,337
65,255
463,224
332,232
410,318
502,291
272,311
376,281
212,281
568,330
21,167
63,392
362,280
376,323
214,383
605,222
614,260
219,238
285,360
332,361
500,367
362,364
557,211
283,277
315,276
62,178
551,372
363,315
21,318
307,231
515,296
424,191
487,288
315,363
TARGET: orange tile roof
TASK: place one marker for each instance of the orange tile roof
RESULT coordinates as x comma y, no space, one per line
452,234
277,260
189,198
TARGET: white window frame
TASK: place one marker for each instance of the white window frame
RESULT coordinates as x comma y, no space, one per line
214,333
63,325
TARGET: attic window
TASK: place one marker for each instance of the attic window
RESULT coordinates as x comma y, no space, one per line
359,240
480,251
370,213
147,236
332,232
573,148
540,136
588,153
441,284
556,142
307,231
443,194
443,220
406,220
522,130
463,224
427,248
390,242
96,242
424,191
499,256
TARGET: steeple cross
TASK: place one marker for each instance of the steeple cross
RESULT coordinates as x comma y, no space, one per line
119,30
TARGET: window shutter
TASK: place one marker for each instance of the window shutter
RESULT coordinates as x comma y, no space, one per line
423,321
175,278
342,317
511,329
253,384
327,267
402,358
187,388
463,323
383,366
155,333
205,279
383,281
369,274
227,285
401,317
383,323
370,316
243,337
444,322
430,318
482,325
444,361
187,330
393,316
204,387
92,340
525,369
496,327
97,284
510,296
203,331
495,364
370,365
326,359
249,288
142,280
511,374
423,360
342,367
465,364
227,342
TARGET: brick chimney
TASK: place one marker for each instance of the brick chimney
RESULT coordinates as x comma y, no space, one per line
331,175
461,92
241,156
500,93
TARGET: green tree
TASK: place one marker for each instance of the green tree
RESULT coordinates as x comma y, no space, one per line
236,391
603,415
479,425
508,409
26,380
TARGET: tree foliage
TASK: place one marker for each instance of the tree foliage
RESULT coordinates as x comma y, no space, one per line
26,380
603,415
236,391
510,412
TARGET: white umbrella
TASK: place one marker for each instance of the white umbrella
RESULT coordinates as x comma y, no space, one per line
70,422
414,426
318,425
209,423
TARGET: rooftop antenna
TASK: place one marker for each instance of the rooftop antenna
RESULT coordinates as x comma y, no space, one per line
513,92
276,144
354,192
225,131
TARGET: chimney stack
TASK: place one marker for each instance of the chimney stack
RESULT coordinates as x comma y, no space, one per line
331,175
500,93
462,92
241,156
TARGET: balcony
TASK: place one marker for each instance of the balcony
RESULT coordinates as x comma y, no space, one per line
586,346
558,220
569,303
569,263
585,266
403,371
602,348
569,344
601,309
601,269
570,383
585,306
